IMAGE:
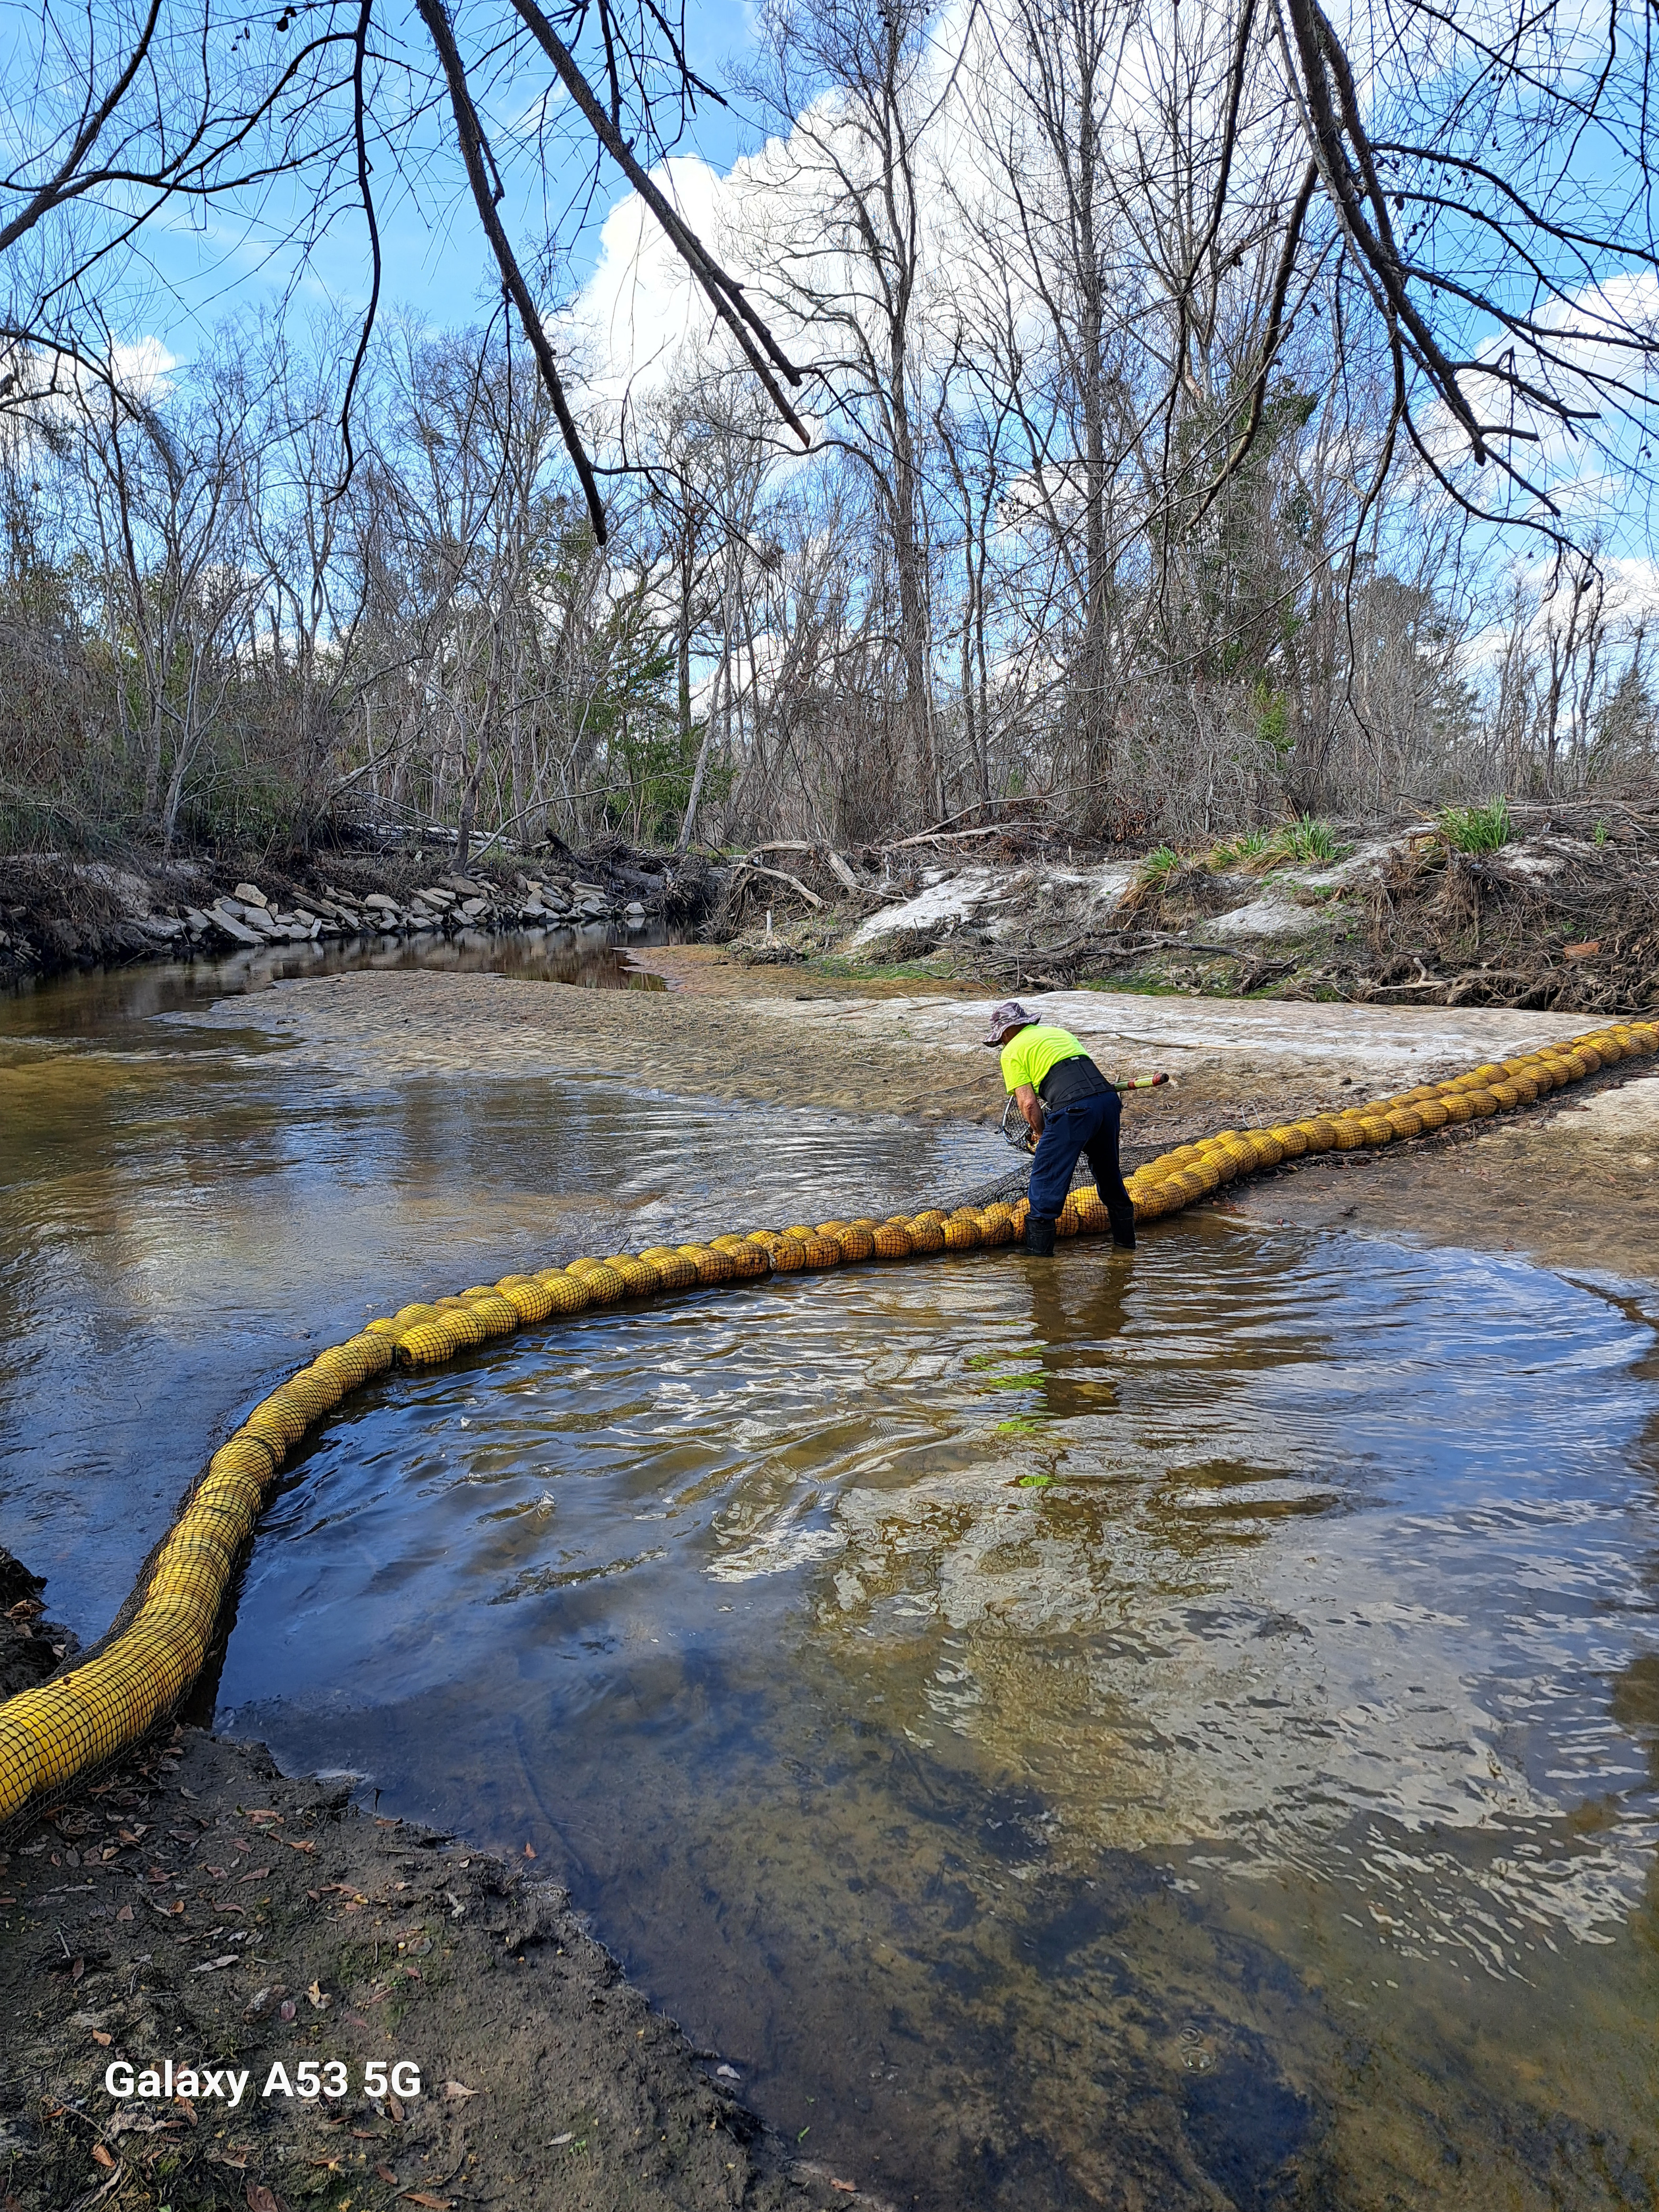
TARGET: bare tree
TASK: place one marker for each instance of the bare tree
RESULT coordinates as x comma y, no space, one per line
165,504
138,106
841,221
1173,364
1488,183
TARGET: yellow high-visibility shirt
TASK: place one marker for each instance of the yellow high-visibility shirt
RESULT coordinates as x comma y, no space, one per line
1028,1056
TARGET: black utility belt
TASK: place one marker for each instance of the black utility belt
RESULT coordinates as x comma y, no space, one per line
1069,1082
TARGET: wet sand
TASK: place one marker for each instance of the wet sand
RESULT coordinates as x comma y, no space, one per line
1570,1180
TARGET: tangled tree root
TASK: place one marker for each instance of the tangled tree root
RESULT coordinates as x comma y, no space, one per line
1452,929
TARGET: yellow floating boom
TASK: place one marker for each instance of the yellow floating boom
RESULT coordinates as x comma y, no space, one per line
59,1733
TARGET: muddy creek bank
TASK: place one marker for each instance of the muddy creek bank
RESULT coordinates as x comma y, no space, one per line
197,1910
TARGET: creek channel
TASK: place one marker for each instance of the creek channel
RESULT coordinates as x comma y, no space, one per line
1176,1731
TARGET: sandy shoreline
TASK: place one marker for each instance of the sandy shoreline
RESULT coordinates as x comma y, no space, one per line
1570,1180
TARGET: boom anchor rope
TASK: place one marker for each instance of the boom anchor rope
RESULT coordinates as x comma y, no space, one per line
69,1728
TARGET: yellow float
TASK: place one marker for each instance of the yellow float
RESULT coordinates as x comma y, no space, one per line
58,1734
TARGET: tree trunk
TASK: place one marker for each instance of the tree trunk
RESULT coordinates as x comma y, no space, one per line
682,842
914,623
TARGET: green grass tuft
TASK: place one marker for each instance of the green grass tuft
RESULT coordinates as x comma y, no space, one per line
1248,845
1159,867
1307,838
1476,828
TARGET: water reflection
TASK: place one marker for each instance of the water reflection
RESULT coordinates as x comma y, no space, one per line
181,1217
110,1005
1149,1777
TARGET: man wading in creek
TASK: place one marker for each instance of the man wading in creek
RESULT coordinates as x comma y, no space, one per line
1070,1108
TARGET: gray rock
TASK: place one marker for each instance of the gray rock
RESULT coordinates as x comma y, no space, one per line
131,892
233,925
251,895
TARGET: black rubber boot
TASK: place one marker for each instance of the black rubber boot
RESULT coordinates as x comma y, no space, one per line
1040,1235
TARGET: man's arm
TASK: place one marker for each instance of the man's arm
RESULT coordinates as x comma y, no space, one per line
1026,1099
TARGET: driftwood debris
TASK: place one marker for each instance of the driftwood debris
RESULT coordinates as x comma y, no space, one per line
781,876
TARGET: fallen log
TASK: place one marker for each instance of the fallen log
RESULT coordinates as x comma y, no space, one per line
754,868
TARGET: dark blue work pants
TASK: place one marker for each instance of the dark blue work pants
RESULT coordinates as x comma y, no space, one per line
1089,1127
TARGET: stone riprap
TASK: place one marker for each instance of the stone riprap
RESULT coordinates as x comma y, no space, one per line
249,916
56,912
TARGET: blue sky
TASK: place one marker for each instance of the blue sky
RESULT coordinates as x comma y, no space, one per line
438,267
435,260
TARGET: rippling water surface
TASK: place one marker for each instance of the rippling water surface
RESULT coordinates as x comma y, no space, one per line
1177,1731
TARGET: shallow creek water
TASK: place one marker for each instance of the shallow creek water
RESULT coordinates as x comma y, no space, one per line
1172,1731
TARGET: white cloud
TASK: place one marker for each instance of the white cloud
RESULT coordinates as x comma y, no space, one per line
640,307
1597,354
143,369
1543,612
